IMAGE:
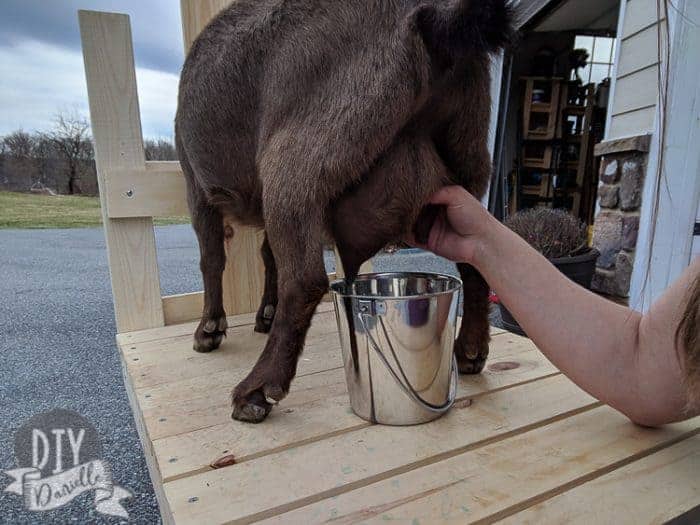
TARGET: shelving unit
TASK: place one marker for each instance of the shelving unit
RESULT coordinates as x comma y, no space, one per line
540,114
555,144
579,141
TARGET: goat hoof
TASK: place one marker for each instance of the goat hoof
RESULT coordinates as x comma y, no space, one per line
255,396
263,326
254,409
209,334
471,358
263,321
471,366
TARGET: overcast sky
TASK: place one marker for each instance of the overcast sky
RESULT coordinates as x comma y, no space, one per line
41,64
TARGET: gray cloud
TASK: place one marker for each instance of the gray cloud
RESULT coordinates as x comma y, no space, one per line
156,26
45,79
42,68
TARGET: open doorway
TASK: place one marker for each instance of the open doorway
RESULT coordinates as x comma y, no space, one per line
554,98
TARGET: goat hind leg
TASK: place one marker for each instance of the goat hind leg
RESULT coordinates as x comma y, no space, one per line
472,344
302,282
211,234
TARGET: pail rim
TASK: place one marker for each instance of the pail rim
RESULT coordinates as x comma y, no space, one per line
455,284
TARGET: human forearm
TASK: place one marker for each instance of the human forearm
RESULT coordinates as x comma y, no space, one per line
592,340
620,357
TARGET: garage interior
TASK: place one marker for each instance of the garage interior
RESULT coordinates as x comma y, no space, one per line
554,97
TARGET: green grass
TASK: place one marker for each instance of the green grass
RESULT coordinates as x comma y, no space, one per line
31,211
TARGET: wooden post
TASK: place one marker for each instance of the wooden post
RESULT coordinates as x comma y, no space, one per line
244,277
196,14
116,128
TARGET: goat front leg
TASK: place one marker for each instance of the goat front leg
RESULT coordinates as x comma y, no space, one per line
268,304
302,282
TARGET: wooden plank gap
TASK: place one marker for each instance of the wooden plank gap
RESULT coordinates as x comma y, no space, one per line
321,437
526,504
258,455
506,387
228,404
322,413
330,493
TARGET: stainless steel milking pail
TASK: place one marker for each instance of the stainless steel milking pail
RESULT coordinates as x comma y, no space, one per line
397,332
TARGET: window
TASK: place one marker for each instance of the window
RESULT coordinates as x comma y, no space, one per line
601,51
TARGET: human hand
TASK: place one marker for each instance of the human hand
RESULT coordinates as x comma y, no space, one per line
460,226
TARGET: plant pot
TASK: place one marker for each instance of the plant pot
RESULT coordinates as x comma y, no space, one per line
579,268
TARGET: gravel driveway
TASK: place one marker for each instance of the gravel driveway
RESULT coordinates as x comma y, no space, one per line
58,350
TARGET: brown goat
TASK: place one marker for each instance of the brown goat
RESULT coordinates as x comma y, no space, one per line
323,120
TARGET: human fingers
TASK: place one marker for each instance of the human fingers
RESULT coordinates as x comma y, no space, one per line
450,196
446,242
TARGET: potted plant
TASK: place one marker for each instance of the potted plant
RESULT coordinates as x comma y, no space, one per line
561,238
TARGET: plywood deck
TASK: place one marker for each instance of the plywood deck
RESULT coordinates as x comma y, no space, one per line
521,444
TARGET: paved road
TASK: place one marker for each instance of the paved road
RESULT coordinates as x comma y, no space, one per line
58,351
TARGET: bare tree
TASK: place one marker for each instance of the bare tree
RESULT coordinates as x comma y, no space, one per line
160,149
18,144
71,138
18,160
45,155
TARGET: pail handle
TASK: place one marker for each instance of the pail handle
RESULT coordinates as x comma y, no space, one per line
407,387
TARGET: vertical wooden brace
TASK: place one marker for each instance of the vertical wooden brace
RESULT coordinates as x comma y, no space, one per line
116,128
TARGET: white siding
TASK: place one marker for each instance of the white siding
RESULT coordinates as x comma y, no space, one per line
636,91
641,119
639,50
638,15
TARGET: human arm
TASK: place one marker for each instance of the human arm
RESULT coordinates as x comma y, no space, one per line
624,359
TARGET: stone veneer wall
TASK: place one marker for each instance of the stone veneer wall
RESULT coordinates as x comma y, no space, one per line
616,227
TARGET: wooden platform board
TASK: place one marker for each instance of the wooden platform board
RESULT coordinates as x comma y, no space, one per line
522,444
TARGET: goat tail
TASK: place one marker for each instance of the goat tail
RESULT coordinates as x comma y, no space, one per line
490,22
466,25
